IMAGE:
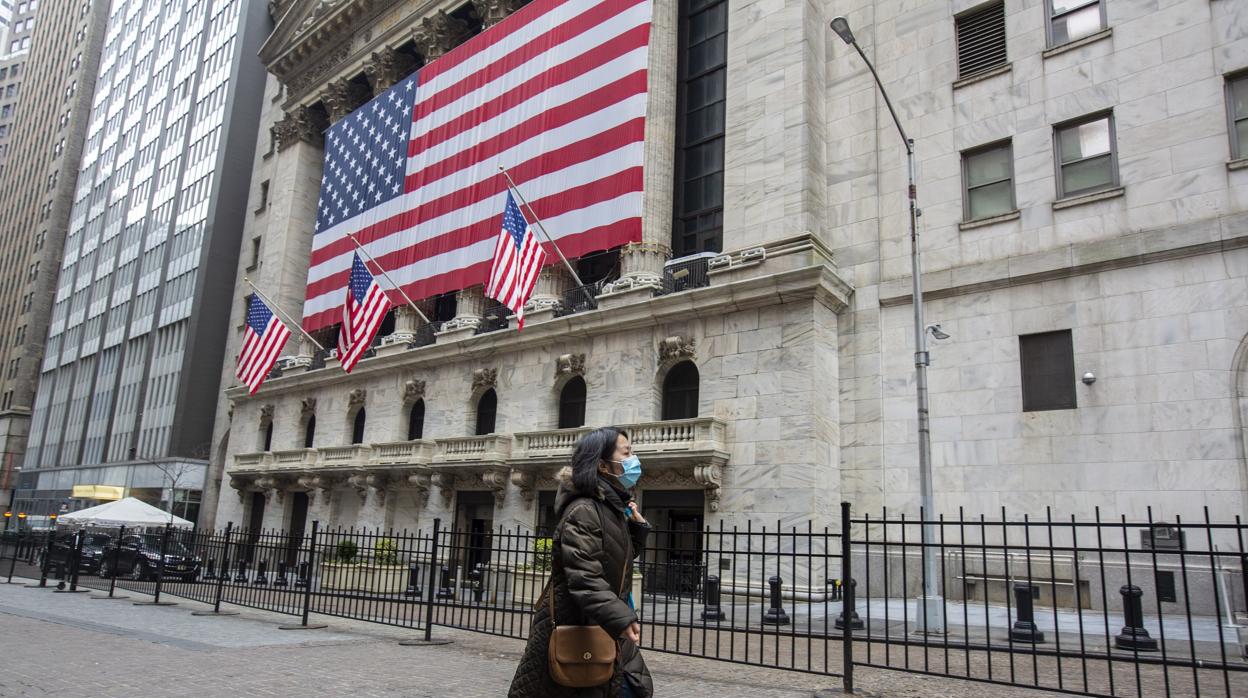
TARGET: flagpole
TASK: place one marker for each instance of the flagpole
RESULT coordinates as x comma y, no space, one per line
385,274
542,226
283,313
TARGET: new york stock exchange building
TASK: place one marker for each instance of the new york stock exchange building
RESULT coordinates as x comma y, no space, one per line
749,322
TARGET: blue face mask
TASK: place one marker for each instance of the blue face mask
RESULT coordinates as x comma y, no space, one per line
632,471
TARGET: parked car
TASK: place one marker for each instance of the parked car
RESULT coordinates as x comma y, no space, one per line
138,557
61,551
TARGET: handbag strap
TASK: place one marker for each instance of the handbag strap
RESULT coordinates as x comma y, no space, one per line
554,559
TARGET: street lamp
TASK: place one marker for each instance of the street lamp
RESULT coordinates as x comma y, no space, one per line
932,611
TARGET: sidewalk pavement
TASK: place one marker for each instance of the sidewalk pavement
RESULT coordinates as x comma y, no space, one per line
74,645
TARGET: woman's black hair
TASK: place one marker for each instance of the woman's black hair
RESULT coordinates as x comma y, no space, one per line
593,448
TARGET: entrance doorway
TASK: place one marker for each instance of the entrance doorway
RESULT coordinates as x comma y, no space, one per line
298,521
470,539
674,564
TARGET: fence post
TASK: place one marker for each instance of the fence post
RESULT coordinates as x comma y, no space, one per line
1024,628
160,573
775,615
429,639
43,568
112,580
262,574
711,600
17,540
848,620
413,580
1134,635
307,591
281,580
222,578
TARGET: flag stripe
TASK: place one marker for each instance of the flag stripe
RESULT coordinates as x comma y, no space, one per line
550,208
556,92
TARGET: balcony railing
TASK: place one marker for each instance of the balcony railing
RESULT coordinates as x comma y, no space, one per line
671,442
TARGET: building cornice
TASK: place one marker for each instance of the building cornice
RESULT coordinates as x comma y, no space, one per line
820,282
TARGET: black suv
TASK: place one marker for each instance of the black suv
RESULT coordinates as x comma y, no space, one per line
61,552
139,558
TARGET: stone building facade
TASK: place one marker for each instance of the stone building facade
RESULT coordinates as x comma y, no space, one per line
757,343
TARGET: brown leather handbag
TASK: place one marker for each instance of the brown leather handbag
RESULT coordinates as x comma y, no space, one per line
580,656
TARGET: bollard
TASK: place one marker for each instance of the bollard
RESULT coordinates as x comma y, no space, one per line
281,580
210,574
241,576
413,580
775,615
1134,636
262,574
1024,628
837,593
848,606
445,590
710,600
301,579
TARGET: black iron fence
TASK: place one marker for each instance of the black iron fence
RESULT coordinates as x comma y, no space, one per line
1090,607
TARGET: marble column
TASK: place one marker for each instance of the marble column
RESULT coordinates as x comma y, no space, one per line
296,183
552,282
469,309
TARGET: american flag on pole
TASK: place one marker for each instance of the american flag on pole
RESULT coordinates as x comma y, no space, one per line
263,337
556,93
362,312
518,257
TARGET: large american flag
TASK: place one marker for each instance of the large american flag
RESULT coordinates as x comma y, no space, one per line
263,337
556,93
362,312
518,257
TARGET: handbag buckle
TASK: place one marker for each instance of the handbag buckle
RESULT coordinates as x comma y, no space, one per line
587,656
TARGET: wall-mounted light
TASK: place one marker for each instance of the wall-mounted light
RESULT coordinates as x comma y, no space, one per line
938,333
1089,378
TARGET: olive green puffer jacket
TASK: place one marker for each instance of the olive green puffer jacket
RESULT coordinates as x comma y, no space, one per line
594,547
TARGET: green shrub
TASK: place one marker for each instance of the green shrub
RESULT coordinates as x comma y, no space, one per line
385,552
346,551
542,549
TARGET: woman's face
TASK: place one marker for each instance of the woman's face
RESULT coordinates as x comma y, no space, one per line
623,449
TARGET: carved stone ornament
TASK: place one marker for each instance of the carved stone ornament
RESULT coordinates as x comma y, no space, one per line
356,397
296,126
492,12
711,477
420,481
445,482
229,415
316,73
387,67
570,365
307,406
676,348
484,378
438,34
526,482
266,413
413,390
343,97
496,480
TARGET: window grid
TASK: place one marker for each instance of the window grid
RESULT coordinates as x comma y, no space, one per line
971,187
1067,134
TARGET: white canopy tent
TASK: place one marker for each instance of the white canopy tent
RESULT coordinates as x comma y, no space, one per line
124,512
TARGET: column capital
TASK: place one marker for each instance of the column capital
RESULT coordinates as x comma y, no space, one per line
492,12
298,125
341,97
386,67
438,34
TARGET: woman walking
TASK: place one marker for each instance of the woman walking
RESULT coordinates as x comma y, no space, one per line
599,533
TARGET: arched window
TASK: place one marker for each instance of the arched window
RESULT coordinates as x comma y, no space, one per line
357,427
309,432
487,410
572,404
680,391
266,430
416,421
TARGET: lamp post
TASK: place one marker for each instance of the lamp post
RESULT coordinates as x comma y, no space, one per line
931,613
